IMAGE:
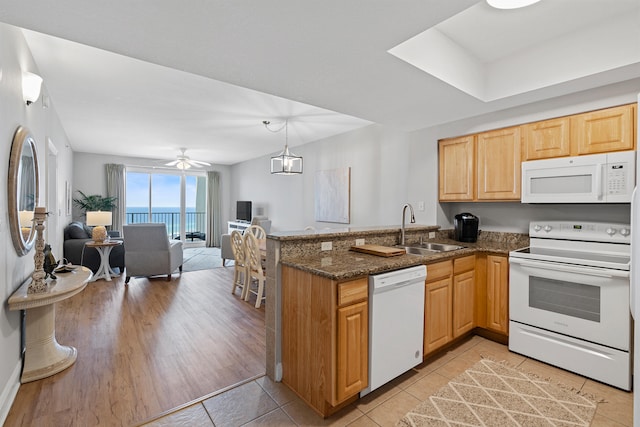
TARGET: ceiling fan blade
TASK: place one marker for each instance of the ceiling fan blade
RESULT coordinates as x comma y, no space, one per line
199,163
173,163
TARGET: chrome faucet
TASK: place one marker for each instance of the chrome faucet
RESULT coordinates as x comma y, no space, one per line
412,220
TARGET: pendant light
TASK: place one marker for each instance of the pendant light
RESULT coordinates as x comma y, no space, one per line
285,163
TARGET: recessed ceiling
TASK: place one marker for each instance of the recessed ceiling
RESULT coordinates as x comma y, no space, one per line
147,77
493,54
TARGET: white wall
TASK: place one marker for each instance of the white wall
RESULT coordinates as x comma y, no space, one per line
390,168
43,124
90,177
378,158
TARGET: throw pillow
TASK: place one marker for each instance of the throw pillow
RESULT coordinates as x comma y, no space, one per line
77,231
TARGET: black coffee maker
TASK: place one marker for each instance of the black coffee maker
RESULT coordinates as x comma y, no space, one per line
466,227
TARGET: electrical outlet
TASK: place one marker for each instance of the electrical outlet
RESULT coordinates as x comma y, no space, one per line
326,246
359,242
420,206
432,234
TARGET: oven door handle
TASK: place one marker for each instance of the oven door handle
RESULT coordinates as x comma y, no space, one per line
600,272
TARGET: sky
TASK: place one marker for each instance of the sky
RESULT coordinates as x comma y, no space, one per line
165,190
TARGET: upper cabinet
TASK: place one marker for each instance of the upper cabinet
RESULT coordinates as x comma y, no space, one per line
486,166
482,167
546,139
456,157
498,163
601,131
604,130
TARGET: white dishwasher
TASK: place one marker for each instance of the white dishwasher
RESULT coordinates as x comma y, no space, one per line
396,324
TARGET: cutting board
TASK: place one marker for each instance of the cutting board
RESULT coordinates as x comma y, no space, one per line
378,250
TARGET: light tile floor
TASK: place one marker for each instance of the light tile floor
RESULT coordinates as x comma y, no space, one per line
265,403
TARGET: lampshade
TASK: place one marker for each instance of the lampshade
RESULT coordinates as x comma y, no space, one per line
510,4
26,219
285,163
99,218
31,84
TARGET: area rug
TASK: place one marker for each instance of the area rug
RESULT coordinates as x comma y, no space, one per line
493,394
200,258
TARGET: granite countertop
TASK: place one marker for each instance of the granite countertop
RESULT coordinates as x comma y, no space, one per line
323,234
347,265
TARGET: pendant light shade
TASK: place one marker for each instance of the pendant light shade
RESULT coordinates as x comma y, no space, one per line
285,163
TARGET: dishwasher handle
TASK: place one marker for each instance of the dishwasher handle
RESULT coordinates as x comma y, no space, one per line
390,286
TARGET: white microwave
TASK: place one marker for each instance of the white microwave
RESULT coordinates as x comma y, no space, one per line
597,178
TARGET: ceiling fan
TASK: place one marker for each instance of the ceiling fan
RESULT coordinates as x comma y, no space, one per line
184,162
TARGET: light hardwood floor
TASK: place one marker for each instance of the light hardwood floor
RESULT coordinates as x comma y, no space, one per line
145,349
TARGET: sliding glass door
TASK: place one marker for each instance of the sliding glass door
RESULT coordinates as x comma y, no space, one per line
175,199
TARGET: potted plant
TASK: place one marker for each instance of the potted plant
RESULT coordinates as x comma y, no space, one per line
94,202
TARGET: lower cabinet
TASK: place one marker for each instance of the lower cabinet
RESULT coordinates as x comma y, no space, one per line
325,338
492,289
449,301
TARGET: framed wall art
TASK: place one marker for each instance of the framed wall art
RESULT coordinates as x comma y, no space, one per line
332,195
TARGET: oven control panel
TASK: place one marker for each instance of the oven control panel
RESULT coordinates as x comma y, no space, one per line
586,231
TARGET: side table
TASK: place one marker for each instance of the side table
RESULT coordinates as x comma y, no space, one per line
43,355
104,249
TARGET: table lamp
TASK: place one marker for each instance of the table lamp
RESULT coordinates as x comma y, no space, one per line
98,219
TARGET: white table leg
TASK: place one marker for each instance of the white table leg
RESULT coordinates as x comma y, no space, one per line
43,355
104,271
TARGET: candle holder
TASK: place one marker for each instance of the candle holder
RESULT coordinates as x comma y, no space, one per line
38,283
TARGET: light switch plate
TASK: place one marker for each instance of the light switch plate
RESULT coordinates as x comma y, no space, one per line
432,234
420,206
326,246
359,242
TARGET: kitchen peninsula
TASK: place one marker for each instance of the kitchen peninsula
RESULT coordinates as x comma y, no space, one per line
318,302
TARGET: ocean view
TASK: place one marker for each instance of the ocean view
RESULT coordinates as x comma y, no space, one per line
195,221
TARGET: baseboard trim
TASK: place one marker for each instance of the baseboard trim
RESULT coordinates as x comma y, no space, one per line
9,392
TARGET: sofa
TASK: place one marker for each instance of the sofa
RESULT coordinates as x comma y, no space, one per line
76,235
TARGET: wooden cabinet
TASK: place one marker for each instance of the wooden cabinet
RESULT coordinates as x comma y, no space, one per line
498,164
456,161
546,139
492,293
480,167
487,166
498,294
438,308
325,338
602,131
449,309
352,351
463,295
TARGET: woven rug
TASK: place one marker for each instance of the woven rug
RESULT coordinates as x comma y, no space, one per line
200,258
493,394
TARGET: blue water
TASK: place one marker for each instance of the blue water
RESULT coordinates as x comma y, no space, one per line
195,221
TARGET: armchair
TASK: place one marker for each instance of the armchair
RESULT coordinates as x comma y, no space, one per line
149,252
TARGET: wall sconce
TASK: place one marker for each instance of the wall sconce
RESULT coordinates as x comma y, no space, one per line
31,84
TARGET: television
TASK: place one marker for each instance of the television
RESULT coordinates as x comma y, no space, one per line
243,211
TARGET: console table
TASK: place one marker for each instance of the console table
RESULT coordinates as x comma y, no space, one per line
43,355
237,225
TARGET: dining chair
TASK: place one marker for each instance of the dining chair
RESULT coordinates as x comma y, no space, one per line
257,231
240,272
254,268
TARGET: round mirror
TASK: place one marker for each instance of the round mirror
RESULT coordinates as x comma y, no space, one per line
23,190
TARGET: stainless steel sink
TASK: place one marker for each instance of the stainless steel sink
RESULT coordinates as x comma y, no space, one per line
430,248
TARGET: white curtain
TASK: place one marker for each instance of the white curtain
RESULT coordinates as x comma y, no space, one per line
116,178
214,209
